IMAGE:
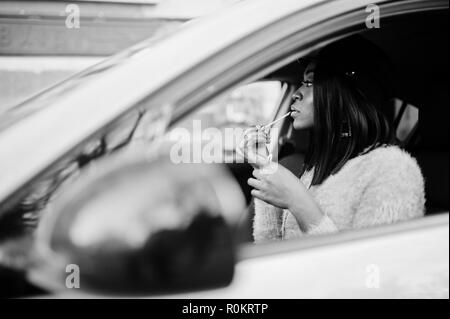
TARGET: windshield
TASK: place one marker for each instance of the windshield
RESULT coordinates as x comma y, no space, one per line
44,98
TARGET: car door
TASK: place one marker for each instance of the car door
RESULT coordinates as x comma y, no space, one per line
381,266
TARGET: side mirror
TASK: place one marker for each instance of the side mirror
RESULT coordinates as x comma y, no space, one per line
141,227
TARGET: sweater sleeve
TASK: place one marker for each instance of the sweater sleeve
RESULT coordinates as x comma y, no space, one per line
267,222
396,193
325,226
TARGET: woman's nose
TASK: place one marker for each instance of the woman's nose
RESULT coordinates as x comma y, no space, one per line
298,96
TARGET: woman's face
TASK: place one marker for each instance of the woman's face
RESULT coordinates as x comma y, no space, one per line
303,106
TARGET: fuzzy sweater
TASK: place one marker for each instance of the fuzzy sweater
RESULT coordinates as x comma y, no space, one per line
380,187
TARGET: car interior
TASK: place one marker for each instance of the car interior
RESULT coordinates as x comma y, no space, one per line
418,47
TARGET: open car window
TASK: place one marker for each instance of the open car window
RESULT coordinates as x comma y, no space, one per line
230,114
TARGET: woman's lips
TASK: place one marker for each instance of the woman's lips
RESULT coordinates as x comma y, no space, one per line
294,112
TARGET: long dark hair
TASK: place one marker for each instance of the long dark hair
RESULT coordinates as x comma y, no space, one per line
347,120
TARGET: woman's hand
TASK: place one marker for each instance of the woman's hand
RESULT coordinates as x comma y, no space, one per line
253,146
277,186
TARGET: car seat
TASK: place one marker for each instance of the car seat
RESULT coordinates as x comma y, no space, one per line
430,147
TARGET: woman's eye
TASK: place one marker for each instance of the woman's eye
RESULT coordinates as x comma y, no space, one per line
307,83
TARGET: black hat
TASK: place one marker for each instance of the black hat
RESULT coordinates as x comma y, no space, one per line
362,62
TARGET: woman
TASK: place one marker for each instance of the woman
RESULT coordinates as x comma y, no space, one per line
352,177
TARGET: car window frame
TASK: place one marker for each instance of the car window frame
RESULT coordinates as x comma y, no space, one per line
249,250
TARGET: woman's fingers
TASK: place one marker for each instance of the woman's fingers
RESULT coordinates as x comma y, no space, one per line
257,174
256,136
254,142
251,130
255,193
255,130
254,183
251,139
257,142
252,147
258,194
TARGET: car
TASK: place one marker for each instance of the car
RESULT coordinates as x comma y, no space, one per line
67,149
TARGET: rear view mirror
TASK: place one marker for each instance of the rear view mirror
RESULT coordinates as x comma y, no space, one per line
141,227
